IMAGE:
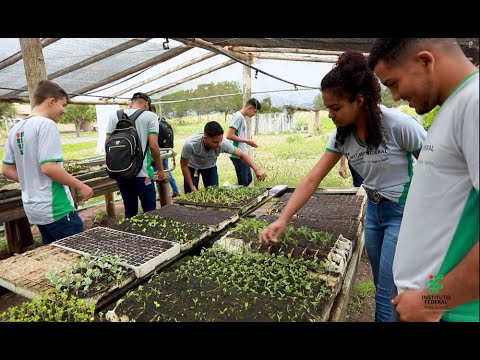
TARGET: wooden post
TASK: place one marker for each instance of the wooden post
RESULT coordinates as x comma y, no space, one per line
247,94
33,63
110,204
317,121
165,195
311,124
18,235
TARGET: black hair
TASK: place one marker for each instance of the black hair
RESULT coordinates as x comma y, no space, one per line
255,103
347,79
391,50
213,128
394,50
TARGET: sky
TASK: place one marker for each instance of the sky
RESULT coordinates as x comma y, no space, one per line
303,73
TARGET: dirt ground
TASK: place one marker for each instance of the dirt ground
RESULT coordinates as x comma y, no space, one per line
360,308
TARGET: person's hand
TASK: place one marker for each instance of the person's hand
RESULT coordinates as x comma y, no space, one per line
193,189
410,306
260,174
252,143
86,192
343,171
160,175
272,232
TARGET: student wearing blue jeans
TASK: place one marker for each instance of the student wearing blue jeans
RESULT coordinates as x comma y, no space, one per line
33,157
200,153
381,145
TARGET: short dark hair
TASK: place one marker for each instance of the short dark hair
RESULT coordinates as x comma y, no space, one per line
255,103
46,89
394,50
140,95
213,128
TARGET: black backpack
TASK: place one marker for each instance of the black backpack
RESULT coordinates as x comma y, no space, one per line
165,134
125,156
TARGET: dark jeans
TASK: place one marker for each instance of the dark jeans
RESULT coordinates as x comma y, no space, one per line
244,174
137,188
70,224
209,178
357,179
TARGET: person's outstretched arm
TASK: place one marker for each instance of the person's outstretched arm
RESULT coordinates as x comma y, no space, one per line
300,196
259,173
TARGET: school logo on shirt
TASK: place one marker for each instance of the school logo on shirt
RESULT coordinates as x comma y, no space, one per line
432,301
434,283
19,137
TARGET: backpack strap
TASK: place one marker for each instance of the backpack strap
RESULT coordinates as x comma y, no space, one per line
131,119
122,116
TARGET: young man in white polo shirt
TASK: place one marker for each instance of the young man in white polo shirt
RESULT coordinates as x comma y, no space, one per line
436,264
33,157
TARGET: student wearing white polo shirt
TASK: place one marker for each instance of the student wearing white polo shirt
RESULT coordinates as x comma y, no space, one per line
436,265
33,157
381,145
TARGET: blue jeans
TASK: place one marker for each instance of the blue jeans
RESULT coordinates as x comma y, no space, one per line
70,224
382,225
137,188
357,179
244,174
209,178
173,183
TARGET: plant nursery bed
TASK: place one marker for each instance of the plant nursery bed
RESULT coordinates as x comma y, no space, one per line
239,200
327,206
138,252
216,219
222,286
351,229
24,274
187,234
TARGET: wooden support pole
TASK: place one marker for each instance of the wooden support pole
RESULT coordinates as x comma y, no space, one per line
325,59
19,235
247,94
33,63
165,195
317,121
215,48
110,205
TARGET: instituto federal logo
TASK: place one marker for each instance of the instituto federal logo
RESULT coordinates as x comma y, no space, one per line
434,284
432,301
19,136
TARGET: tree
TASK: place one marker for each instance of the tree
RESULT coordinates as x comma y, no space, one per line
267,106
78,114
179,109
428,117
7,111
387,100
318,103
227,104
